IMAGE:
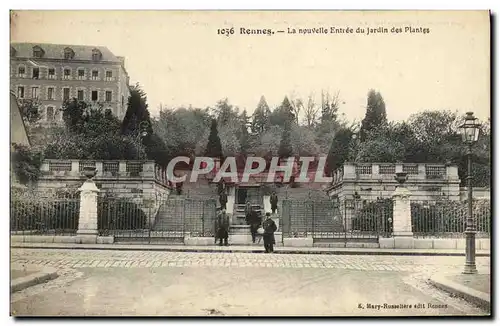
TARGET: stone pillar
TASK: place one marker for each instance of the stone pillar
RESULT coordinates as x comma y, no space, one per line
87,222
402,230
122,168
75,168
349,171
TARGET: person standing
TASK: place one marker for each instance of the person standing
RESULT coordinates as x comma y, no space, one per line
274,202
223,199
248,212
222,228
269,228
254,221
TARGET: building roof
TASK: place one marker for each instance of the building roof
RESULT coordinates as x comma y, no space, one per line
56,51
18,133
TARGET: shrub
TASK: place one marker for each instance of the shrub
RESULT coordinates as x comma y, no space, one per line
119,214
373,216
43,213
26,164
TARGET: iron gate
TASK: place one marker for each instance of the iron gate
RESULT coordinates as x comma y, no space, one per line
167,221
327,221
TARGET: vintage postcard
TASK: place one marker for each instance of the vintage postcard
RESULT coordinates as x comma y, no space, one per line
250,163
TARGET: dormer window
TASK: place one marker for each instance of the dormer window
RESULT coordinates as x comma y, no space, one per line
12,52
38,52
69,53
96,54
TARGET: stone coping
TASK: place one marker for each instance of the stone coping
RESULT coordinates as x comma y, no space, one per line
480,299
36,275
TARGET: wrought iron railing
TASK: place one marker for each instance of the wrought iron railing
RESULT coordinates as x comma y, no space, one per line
447,219
44,213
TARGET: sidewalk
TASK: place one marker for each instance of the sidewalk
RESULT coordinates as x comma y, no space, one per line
22,276
474,288
252,249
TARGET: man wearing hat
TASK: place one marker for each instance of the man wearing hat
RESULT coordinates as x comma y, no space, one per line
269,228
222,228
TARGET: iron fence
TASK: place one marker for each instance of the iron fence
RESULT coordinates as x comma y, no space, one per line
122,218
369,219
199,217
447,219
44,213
326,219
166,221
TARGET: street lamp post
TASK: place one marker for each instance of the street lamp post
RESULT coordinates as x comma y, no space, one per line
470,135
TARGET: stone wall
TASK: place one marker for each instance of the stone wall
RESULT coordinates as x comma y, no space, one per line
376,180
140,182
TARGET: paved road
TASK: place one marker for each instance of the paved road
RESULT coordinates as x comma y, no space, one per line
98,282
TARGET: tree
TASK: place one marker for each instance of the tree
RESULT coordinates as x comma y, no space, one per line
339,150
30,110
26,164
260,122
383,150
225,112
303,141
282,114
214,146
91,133
243,135
311,112
286,150
266,145
297,104
329,107
181,130
375,114
137,112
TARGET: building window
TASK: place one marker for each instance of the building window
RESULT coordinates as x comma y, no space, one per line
95,74
81,73
96,55
122,100
109,75
67,73
21,70
65,93
38,52
20,91
80,95
108,96
52,73
50,93
94,96
36,73
34,92
50,113
68,53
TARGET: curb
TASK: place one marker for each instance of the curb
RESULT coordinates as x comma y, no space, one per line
478,298
235,249
22,283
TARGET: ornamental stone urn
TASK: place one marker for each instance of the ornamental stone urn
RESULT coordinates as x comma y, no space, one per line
401,177
89,172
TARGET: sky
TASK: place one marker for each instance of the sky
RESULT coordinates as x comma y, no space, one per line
180,59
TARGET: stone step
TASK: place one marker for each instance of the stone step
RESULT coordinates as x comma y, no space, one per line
239,229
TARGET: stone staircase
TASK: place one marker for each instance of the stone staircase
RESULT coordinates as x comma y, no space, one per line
239,213
169,216
239,232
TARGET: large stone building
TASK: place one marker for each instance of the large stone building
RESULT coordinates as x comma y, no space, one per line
53,73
